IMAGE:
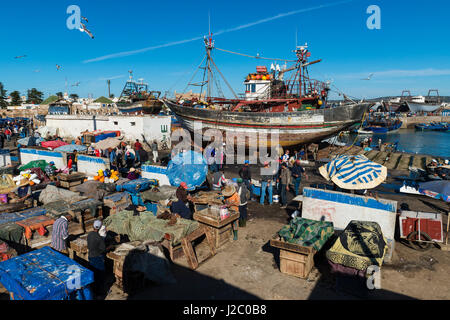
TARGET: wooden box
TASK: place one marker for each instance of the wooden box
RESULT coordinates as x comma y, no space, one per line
69,181
221,229
295,260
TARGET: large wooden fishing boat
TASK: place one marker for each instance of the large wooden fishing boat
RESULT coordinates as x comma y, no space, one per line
295,109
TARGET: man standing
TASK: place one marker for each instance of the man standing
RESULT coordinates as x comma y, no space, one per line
96,255
60,233
297,172
155,151
285,157
2,139
50,170
137,145
266,182
244,194
285,179
246,175
232,202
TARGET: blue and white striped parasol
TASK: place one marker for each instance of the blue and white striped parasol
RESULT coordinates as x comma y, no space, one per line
354,172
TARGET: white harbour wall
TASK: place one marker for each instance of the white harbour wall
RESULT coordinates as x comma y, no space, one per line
131,127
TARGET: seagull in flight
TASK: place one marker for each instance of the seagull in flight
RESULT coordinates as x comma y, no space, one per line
19,57
84,29
76,84
369,77
58,67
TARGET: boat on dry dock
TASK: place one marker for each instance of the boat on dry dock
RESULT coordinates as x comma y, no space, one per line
295,109
136,99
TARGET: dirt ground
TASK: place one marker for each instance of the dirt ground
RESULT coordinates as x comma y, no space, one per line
249,267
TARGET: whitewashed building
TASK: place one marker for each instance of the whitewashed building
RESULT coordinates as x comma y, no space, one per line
131,127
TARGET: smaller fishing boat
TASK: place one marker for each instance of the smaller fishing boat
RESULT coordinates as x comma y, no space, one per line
433,126
380,126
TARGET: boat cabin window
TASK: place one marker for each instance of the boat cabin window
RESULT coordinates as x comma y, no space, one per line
133,123
116,123
253,87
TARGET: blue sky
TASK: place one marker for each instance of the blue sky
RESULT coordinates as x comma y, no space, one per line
411,51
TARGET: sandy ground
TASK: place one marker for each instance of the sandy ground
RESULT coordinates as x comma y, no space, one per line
249,267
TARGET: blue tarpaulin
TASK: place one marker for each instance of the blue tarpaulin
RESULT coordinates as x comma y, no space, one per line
45,274
71,148
21,215
189,167
436,189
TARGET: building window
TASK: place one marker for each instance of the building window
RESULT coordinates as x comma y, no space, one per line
164,128
133,124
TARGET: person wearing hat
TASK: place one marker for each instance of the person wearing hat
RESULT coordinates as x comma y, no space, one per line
133,174
297,172
285,180
96,255
266,183
244,194
232,202
182,193
50,170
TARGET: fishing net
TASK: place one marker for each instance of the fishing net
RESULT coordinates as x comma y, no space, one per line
146,226
306,232
52,194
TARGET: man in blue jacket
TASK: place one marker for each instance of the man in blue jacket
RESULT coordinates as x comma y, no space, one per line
297,172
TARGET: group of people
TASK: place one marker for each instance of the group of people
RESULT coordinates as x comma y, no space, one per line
125,155
97,248
12,129
289,171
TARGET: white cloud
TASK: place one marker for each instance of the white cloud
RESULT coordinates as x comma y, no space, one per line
397,73
112,78
244,26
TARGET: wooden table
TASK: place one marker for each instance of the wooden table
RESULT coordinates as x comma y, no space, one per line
220,229
118,257
186,249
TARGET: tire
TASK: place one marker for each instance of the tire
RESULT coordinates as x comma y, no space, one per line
413,238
